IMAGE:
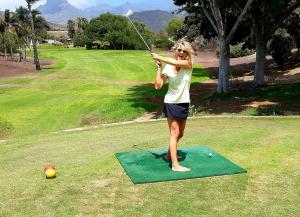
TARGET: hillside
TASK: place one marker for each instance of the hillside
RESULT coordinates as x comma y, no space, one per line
156,20
60,11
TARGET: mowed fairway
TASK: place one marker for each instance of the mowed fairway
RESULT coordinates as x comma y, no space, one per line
82,88
91,182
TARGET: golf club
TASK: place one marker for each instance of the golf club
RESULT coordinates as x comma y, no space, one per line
129,13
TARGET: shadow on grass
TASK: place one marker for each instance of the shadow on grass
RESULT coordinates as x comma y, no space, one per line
151,100
269,100
146,96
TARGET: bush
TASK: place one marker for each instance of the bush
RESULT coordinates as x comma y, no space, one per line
79,39
280,47
239,50
163,41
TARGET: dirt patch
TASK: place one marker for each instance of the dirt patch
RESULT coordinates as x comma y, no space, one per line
10,68
257,104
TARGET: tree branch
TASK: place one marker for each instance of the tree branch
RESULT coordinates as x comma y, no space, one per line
218,17
278,21
210,18
239,20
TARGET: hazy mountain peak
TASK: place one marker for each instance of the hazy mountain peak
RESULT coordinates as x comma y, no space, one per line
54,6
60,11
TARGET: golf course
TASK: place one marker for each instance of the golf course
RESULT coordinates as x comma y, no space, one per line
81,88
91,88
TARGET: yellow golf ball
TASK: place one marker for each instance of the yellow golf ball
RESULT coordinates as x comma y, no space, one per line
50,173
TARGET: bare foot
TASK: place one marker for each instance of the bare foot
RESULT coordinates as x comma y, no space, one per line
180,169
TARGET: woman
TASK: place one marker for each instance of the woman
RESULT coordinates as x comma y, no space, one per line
178,72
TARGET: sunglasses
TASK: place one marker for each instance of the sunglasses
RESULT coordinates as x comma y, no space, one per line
179,50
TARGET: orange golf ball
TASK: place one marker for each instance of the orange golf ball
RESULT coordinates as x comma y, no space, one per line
49,166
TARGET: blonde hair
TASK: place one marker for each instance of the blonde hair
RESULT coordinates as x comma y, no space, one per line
186,46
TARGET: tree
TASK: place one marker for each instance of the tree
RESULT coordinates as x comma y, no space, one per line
173,27
22,25
218,12
71,28
293,27
3,27
116,32
33,36
81,24
280,47
267,17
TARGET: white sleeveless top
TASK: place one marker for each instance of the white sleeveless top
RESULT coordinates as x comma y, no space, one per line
179,85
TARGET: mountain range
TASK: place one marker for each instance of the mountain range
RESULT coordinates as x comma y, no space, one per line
60,11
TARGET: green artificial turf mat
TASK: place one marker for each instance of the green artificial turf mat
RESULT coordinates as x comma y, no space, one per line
150,166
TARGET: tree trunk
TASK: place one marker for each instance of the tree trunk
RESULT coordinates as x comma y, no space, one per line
25,54
35,51
5,52
259,73
223,83
11,53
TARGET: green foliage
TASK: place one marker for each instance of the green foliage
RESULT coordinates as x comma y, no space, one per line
79,39
117,31
71,28
174,27
280,47
163,41
293,26
239,50
7,16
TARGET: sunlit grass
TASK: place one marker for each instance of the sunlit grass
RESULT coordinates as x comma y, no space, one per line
91,182
82,88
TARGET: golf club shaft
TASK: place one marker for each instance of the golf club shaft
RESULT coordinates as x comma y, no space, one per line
149,49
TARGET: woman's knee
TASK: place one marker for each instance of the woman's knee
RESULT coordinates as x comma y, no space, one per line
175,133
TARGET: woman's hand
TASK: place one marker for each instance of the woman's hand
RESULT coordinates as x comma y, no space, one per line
158,64
155,56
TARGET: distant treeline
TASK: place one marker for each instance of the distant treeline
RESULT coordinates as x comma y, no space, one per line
109,31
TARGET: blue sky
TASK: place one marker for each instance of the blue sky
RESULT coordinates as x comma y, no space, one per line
12,4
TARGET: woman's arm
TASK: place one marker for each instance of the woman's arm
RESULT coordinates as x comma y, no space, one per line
171,61
160,78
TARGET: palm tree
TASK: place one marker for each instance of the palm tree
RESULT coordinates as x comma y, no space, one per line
35,51
3,27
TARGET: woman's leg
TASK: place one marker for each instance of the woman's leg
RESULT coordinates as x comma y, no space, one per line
181,124
176,132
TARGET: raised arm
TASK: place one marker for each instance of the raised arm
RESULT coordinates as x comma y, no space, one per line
171,61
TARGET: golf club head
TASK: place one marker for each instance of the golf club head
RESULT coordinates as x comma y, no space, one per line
129,13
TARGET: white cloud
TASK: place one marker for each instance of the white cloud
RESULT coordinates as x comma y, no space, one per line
13,4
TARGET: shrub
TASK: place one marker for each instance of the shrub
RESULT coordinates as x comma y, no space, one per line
239,50
163,41
280,47
79,39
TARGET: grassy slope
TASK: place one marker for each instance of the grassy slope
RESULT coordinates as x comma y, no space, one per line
83,87
91,182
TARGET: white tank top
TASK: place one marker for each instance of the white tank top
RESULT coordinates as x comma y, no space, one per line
179,84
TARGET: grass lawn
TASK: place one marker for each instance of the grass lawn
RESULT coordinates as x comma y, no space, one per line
91,182
82,88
